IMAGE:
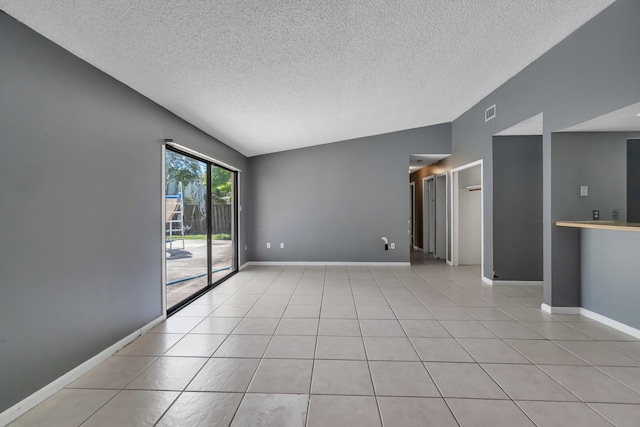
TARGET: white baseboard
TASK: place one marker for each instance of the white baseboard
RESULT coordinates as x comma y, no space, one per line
487,280
559,310
336,263
53,387
516,283
622,327
450,263
243,266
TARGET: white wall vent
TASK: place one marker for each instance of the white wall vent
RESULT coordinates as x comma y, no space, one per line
490,113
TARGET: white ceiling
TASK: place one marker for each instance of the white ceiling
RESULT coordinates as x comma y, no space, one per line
530,126
626,119
271,75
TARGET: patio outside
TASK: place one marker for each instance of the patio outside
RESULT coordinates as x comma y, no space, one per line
192,262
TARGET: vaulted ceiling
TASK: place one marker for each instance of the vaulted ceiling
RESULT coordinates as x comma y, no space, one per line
271,75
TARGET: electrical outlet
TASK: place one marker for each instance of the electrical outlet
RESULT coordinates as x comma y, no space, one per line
281,245
596,214
246,247
616,214
392,245
268,245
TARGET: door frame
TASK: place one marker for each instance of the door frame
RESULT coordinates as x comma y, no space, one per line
455,194
412,219
426,244
437,254
163,222
235,222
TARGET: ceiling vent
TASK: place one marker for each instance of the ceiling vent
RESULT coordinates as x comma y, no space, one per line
490,113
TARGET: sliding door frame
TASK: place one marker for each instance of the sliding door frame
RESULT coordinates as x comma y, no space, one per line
210,163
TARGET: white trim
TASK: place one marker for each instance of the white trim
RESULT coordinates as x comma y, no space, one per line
163,256
467,166
611,323
332,263
58,384
243,266
446,220
487,280
454,213
454,217
516,283
238,217
149,326
202,156
449,262
425,215
412,185
559,310
419,249
622,327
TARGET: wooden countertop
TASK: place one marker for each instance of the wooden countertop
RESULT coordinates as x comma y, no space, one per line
601,225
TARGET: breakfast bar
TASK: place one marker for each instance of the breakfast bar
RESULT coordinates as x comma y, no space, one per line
609,269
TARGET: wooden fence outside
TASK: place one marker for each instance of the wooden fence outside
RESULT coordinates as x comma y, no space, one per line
197,222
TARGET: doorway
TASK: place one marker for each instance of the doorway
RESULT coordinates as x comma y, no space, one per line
440,212
467,216
200,226
429,215
412,224
517,209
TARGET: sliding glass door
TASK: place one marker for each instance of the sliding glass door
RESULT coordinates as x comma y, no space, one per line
223,233
200,227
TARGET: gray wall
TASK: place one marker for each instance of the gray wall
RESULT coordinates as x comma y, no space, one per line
633,180
610,272
80,204
595,159
517,208
591,72
598,160
334,202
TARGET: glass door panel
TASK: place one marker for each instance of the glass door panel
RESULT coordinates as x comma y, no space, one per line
186,228
223,233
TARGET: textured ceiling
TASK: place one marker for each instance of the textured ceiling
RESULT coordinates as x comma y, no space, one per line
626,119
530,126
265,76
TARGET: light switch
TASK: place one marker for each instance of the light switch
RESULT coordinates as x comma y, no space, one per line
584,191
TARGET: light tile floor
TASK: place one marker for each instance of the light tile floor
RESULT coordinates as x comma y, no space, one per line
357,346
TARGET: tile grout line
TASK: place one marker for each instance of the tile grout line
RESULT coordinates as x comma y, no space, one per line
315,349
244,394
